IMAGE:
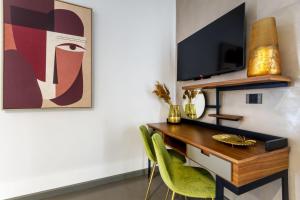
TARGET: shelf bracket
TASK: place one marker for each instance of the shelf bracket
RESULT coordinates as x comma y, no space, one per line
218,105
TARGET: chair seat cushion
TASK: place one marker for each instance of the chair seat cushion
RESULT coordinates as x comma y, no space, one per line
192,181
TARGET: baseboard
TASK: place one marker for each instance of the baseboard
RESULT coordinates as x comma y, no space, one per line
80,186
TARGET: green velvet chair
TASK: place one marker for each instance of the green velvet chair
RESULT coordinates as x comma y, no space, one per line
184,180
174,156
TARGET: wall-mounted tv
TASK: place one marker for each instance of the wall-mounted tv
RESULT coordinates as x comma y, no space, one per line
218,48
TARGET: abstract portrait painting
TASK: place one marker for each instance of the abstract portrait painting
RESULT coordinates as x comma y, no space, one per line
47,55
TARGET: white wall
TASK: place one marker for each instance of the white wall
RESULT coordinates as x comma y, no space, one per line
134,44
280,112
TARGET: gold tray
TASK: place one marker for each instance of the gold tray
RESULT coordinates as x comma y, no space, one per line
236,140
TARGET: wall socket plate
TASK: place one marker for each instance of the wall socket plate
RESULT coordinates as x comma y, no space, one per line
254,98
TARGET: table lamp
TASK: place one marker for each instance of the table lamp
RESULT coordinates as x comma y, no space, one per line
264,58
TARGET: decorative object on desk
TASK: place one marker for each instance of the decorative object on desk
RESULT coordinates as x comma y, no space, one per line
174,114
264,57
235,140
193,103
162,91
47,54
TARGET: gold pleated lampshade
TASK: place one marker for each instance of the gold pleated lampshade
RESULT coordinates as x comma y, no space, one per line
264,58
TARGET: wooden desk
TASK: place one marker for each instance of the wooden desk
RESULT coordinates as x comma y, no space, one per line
240,169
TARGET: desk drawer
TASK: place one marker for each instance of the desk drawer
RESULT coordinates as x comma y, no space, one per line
215,164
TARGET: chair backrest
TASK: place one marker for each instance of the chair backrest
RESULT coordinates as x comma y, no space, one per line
148,143
163,159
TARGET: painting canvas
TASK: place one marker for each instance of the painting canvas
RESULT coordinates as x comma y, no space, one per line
47,54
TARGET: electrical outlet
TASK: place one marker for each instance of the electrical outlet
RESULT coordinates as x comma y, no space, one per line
254,98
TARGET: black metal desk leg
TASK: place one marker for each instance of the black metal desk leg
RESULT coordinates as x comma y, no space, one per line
285,185
149,168
219,189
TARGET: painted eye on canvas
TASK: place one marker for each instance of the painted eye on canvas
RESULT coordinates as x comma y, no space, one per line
71,47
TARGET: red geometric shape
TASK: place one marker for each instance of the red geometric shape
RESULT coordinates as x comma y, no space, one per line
66,21
74,94
20,87
31,19
31,44
43,6
68,65
9,41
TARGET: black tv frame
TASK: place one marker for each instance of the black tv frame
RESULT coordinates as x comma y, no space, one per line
243,5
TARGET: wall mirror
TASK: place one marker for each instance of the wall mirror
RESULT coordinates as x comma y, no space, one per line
193,103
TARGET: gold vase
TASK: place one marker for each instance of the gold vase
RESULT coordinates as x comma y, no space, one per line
190,111
174,114
264,58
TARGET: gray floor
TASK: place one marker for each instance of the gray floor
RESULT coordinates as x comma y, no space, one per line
132,189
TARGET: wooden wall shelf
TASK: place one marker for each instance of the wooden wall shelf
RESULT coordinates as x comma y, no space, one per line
259,82
241,82
227,117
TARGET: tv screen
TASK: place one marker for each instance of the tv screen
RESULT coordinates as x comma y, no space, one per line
217,48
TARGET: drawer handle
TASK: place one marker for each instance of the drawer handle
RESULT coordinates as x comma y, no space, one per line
205,153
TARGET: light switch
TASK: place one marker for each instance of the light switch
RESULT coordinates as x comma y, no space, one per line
254,98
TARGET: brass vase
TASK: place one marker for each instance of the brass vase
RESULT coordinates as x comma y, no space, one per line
174,114
190,111
264,58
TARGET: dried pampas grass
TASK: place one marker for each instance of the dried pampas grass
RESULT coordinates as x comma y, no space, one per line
190,94
162,92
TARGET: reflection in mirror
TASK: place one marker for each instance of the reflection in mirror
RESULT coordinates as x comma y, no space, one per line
193,103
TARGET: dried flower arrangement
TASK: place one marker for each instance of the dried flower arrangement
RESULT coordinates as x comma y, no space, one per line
162,92
190,94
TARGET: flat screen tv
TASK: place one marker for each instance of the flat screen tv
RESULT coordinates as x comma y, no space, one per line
218,48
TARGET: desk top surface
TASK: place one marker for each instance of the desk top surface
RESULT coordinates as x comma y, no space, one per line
201,138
